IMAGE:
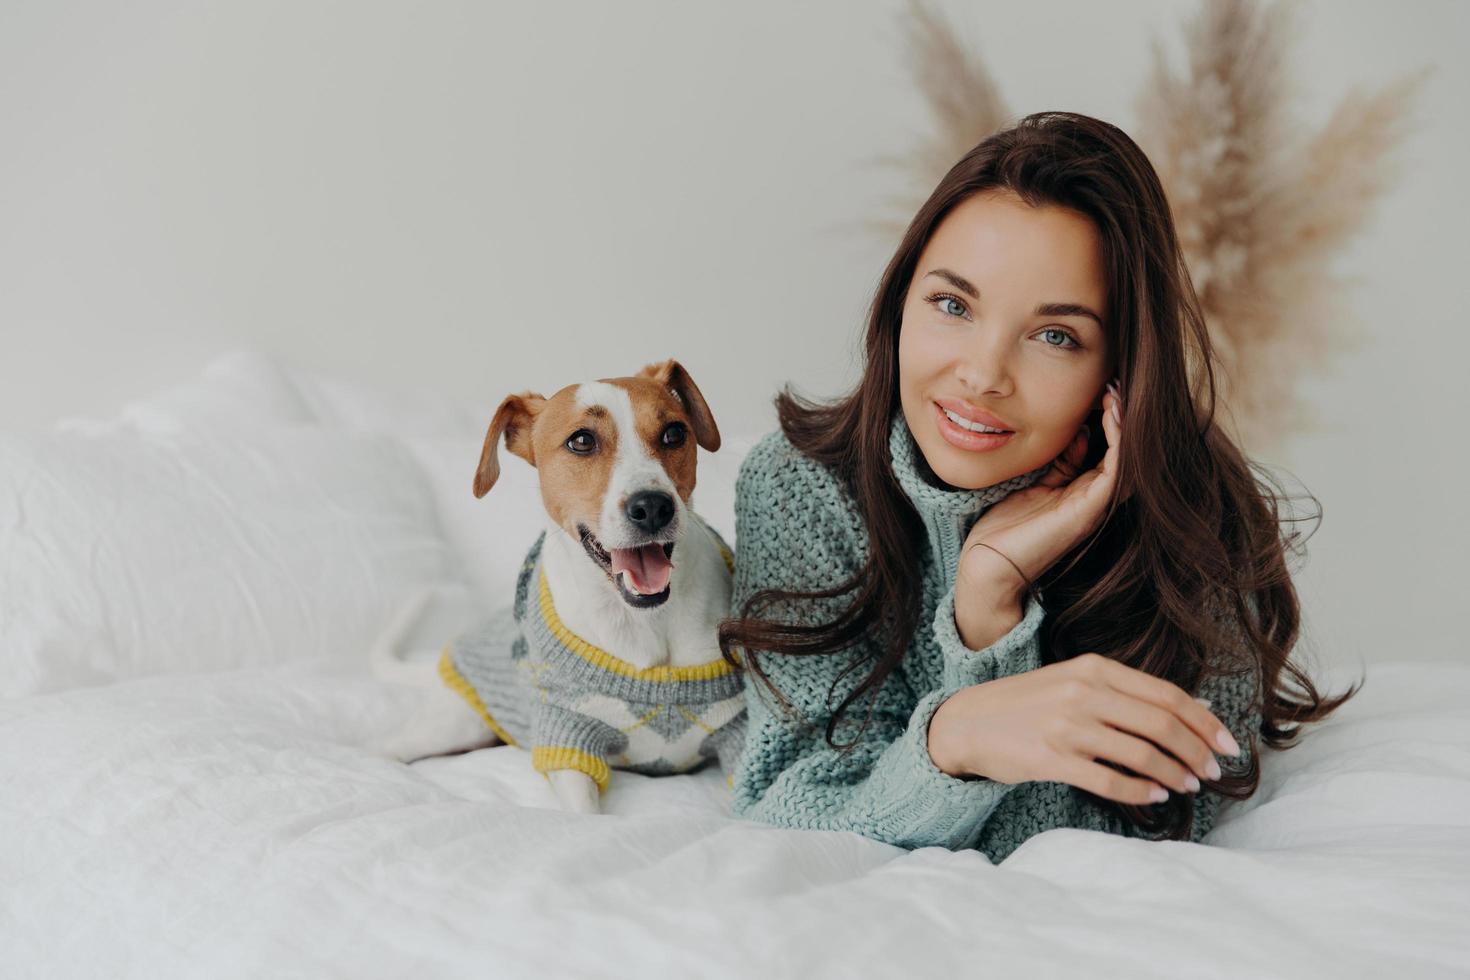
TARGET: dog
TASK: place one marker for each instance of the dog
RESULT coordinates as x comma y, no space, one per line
607,657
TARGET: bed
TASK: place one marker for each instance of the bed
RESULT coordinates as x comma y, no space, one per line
192,784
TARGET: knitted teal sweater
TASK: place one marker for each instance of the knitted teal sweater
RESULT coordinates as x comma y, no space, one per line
797,528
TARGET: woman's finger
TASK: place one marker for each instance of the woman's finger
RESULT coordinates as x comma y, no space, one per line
1209,734
1110,784
1162,730
1113,431
1141,756
1077,452
1068,464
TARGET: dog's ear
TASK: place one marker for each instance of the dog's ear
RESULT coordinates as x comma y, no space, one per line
514,418
672,375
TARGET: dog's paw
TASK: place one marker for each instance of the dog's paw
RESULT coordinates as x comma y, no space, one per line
575,790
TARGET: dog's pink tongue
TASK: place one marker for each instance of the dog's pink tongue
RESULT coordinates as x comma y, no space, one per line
647,567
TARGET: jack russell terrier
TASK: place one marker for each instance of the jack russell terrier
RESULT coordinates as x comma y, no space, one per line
607,657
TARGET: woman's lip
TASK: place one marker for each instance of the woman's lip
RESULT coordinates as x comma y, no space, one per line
962,438
969,413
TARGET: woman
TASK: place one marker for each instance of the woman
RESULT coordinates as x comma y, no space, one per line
1027,611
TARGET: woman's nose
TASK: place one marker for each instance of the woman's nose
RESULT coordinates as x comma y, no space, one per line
985,366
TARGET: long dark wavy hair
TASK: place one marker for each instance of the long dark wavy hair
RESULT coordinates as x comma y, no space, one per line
1187,575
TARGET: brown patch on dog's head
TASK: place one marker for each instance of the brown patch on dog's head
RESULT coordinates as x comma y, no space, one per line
671,375
576,447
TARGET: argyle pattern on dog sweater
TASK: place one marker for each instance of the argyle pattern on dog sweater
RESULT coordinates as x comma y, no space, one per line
540,686
798,528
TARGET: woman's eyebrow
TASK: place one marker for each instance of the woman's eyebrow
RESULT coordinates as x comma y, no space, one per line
1045,309
958,281
1067,309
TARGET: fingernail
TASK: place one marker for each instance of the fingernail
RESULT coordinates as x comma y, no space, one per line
1204,701
1158,794
1192,783
1213,769
1226,742
1117,415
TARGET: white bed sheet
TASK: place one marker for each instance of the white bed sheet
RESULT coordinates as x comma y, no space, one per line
239,824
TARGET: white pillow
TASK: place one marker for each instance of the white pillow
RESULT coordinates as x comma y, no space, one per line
239,390
216,525
489,536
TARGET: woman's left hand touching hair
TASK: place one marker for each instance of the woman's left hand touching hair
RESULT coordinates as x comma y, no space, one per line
1038,525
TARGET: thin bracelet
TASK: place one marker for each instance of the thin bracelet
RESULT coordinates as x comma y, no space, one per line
1029,586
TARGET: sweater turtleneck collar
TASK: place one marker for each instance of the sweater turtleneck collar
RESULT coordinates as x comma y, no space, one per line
948,514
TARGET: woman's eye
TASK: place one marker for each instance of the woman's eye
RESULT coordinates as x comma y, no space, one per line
1060,333
939,301
674,434
582,441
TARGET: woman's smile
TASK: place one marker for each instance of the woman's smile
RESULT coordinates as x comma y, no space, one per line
966,439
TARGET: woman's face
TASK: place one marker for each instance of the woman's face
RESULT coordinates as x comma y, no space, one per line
999,321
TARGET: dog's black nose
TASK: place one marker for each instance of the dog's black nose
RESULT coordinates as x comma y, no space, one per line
650,510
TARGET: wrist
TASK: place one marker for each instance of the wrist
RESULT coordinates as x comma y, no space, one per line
979,625
985,609
992,578
943,745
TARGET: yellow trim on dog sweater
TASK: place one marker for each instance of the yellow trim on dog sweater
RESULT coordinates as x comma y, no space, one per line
577,706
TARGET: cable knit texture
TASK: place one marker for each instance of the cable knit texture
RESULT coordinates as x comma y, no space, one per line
797,528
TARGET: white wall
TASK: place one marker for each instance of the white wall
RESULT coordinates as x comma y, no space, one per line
486,197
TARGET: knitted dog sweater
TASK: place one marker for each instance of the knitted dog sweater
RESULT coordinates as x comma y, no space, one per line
540,686
797,528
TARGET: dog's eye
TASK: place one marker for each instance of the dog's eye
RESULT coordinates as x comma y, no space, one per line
674,434
582,441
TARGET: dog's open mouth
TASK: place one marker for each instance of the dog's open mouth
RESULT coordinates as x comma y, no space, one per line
641,573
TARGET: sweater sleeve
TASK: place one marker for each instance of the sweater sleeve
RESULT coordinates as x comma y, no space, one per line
1015,652
567,738
794,531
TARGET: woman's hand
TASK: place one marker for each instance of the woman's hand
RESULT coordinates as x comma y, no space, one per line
1038,525
1061,722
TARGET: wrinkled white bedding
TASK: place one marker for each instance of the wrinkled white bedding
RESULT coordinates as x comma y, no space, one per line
229,825
231,818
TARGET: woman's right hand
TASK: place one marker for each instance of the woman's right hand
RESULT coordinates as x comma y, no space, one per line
1028,530
1061,722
